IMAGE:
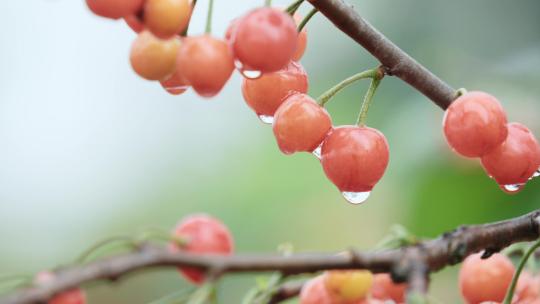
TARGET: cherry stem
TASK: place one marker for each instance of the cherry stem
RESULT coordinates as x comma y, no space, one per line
461,92
368,99
209,17
124,240
203,294
326,96
306,19
268,3
176,297
515,278
291,9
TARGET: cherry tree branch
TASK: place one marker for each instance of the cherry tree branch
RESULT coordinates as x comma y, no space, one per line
394,59
410,264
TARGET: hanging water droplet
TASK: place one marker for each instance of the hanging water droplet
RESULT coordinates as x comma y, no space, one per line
251,74
317,151
356,197
267,119
176,89
513,188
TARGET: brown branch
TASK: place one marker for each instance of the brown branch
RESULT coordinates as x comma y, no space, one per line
394,59
408,263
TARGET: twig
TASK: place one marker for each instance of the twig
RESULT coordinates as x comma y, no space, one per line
448,249
394,59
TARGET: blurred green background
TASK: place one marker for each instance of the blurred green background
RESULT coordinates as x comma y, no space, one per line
90,150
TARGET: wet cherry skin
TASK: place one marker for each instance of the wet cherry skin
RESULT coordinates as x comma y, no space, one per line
166,18
176,84
153,58
265,40
74,296
355,158
204,235
385,289
475,124
516,160
482,280
266,93
114,9
206,63
300,124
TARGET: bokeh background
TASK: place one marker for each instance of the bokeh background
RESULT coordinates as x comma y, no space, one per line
89,150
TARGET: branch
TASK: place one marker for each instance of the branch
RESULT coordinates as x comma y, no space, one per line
407,264
394,59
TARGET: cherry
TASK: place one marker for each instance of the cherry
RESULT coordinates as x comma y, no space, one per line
314,292
516,160
475,124
176,84
385,289
153,58
135,23
300,124
482,280
302,39
265,94
114,9
347,286
355,158
528,288
206,63
166,18
205,235
74,296
231,30
265,40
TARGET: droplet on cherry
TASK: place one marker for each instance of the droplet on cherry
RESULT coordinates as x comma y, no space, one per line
267,119
318,151
356,198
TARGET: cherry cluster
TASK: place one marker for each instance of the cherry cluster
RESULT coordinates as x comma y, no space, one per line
197,234
487,281
352,287
265,45
475,125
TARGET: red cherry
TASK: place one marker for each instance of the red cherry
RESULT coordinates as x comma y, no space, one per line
385,289
355,158
114,9
176,84
135,23
475,124
300,124
166,18
528,288
482,280
265,40
206,63
231,30
153,58
74,296
314,292
205,235
516,160
265,94
302,39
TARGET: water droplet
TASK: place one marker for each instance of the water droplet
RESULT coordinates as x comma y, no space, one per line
267,119
537,173
176,89
356,197
317,151
250,74
513,188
